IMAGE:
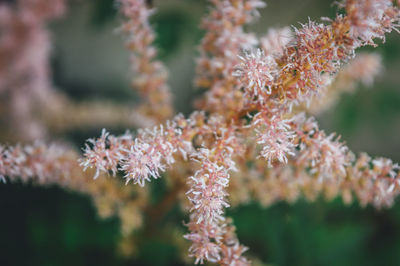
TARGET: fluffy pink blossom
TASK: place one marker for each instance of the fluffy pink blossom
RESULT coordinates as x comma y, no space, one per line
224,137
225,38
203,248
150,74
276,138
325,155
207,191
256,73
103,153
233,254
142,162
41,163
371,19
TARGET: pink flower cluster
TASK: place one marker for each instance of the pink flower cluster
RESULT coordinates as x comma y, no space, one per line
140,158
257,74
276,138
145,156
37,162
24,66
151,75
250,138
207,194
371,19
224,40
268,84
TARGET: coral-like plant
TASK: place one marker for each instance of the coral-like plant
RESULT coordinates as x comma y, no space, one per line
251,137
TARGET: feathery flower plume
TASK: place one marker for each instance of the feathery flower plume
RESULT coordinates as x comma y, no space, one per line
256,73
224,40
151,75
271,84
249,140
276,137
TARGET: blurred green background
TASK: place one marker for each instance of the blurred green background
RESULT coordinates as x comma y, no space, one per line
50,226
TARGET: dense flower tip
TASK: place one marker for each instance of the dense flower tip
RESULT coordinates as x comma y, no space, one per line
43,164
385,168
233,255
202,248
371,19
256,73
332,158
277,139
138,159
324,155
103,153
143,157
301,76
142,162
151,153
207,195
225,38
150,74
207,192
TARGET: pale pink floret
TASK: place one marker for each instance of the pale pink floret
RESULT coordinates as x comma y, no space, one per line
325,155
142,162
207,192
372,19
42,161
150,153
202,247
150,73
103,154
38,162
334,156
206,240
386,175
158,138
207,195
256,73
276,138
233,255
385,167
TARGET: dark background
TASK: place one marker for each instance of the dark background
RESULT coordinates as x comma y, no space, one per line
50,226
